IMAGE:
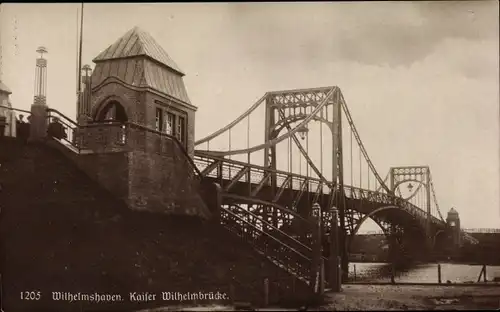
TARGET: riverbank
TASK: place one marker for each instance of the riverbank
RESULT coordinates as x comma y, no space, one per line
412,297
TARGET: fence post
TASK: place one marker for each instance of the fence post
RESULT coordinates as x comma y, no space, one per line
217,202
439,273
354,267
393,273
266,292
231,292
322,277
484,273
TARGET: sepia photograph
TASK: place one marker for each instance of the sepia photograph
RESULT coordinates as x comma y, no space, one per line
254,156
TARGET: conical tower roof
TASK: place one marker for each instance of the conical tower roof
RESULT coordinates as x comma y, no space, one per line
137,42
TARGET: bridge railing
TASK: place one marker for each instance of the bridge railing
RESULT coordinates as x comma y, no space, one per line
231,168
12,116
482,230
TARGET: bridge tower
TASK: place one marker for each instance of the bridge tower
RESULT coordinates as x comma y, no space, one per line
421,176
282,109
135,80
453,222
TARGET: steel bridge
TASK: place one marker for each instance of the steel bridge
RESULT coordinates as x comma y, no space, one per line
277,177
309,153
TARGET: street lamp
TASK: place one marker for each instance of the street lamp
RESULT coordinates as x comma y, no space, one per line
410,187
41,50
303,131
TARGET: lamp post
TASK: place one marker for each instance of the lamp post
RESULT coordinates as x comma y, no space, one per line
334,260
316,261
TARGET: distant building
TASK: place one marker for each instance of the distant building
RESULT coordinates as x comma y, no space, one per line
6,110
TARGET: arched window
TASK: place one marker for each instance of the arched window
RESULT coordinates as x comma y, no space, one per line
112,111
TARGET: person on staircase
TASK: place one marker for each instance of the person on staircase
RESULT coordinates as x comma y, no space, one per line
22,129
56,129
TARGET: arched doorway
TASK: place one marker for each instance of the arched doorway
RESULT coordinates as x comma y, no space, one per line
112,111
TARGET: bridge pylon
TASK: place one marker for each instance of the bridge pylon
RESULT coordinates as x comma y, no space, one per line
417,174
285,108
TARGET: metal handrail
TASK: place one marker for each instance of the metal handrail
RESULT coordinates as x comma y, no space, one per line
16,109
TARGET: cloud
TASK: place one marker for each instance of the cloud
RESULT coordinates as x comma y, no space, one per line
390,33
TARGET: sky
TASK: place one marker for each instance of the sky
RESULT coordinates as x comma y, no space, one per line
421,79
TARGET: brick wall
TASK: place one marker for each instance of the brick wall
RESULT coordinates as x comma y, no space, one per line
154,100
162,183
109,170
148,171
130,99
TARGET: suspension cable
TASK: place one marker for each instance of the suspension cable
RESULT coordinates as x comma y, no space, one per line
360,143
299,145
289,155
360,171
307,165
307,151
248,138
321,145
434,197
368,169
351,162
229,142
248,131
300,164
234,122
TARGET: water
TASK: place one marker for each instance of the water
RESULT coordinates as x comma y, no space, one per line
422,273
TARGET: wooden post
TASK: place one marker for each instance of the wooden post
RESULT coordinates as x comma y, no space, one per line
266,292
217,203
393,273
484,273
354,267
439,273
231,292
322,277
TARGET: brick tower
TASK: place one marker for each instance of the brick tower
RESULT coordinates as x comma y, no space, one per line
133,105
135,80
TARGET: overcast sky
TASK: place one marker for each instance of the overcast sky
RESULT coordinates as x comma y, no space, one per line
421,79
